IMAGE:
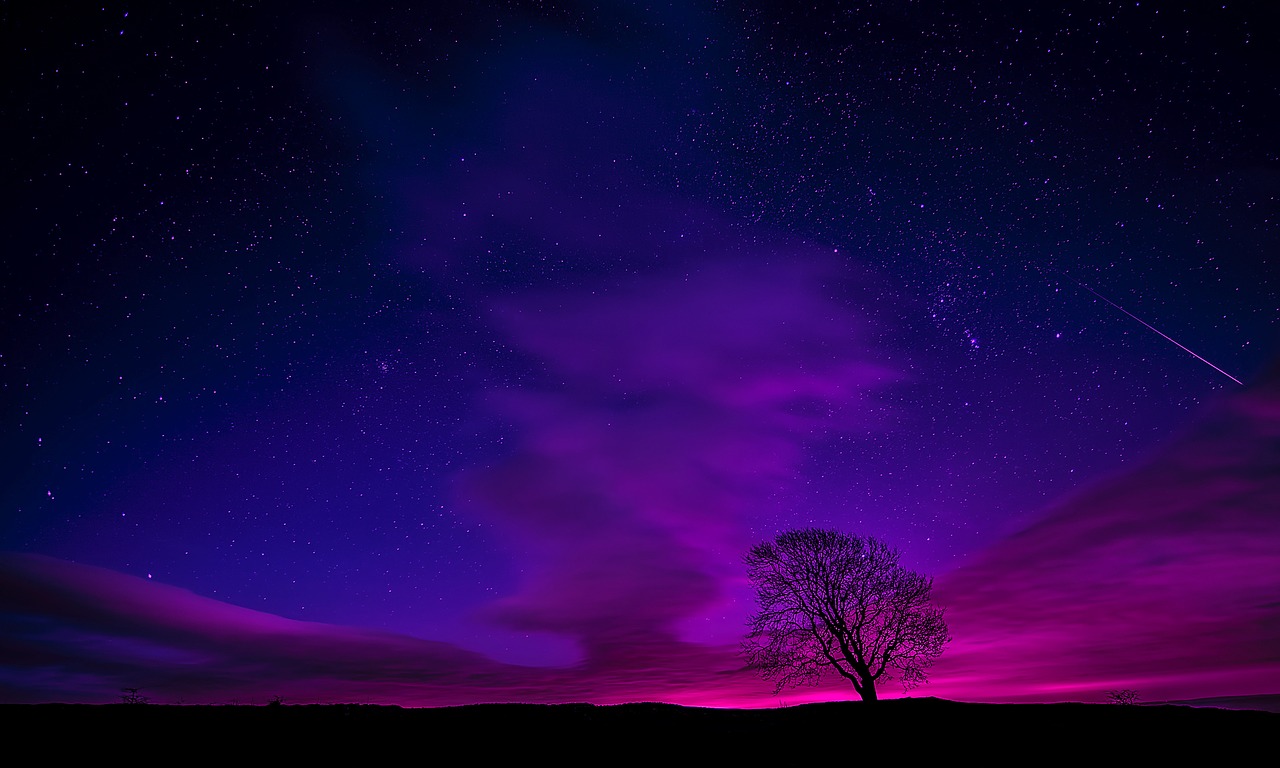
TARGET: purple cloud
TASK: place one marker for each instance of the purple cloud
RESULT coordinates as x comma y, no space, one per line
80,633
675,403
1163,579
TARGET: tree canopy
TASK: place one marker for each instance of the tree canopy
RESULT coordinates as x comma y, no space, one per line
834,603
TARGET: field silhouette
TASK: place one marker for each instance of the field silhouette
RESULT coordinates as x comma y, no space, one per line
888,732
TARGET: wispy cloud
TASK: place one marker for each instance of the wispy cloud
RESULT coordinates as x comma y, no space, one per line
674,402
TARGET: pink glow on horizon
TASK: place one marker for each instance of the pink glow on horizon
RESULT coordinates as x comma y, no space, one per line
1158,580
639,479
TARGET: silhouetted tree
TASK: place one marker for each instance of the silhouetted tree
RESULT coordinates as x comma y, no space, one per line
131,696
1125,696
834,603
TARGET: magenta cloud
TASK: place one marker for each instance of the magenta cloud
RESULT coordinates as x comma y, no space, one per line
673,403
1161,579
78,633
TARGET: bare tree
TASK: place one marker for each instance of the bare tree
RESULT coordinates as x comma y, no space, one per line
1125,696
834,603
131,696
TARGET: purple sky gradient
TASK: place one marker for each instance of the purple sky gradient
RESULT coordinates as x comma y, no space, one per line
1160,579
435,358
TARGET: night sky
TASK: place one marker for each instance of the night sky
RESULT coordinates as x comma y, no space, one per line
459,352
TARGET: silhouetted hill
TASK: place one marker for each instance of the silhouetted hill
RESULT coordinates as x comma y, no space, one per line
1263,703
899,730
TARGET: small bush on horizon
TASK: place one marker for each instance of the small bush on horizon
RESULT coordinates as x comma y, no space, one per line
1124,696
131,696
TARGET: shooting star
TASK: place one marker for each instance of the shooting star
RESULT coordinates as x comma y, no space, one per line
1152,327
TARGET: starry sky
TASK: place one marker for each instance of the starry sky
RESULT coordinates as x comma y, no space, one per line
459,352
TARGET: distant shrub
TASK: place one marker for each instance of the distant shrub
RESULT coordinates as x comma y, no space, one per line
1125,696
131,696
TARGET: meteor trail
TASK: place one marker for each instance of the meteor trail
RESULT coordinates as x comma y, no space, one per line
1152,327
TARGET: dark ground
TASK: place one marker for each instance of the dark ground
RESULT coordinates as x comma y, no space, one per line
892,731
